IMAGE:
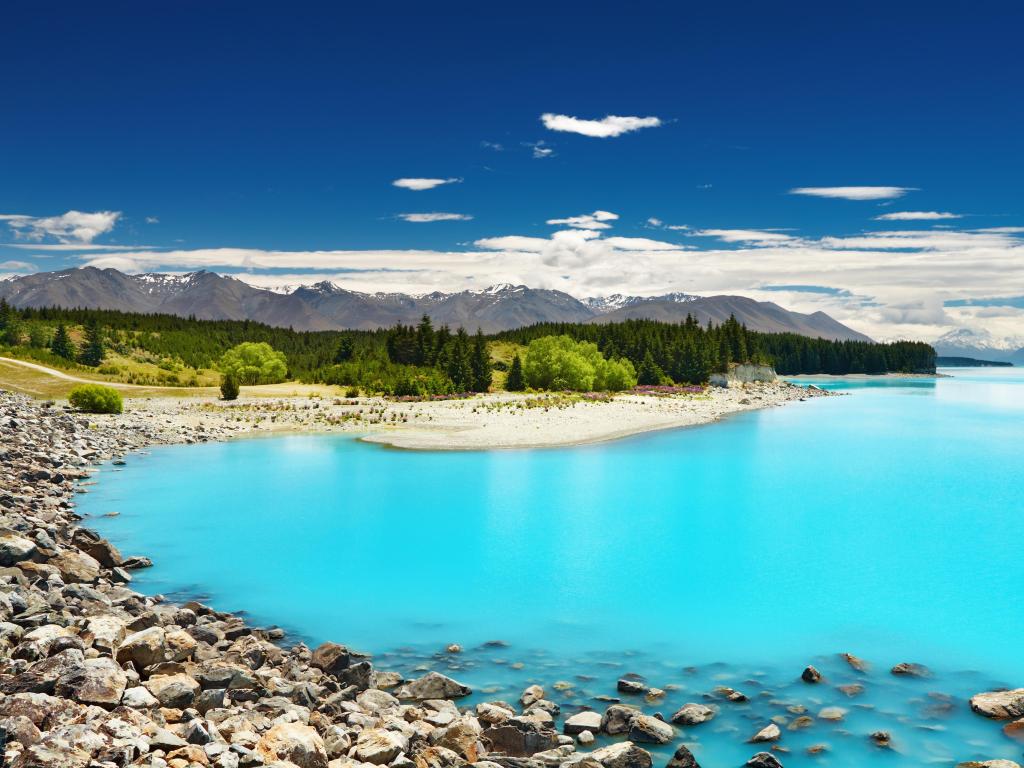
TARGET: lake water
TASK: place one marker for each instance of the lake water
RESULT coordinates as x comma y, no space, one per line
889,523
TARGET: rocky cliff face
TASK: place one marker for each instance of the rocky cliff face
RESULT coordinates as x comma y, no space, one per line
743,374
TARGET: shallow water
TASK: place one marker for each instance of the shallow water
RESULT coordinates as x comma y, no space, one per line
888,523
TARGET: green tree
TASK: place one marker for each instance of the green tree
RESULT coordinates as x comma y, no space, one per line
38,336
229,388
254,363
346,349
515,382
480,363
93,350
559,362
459,364
649,372
61,345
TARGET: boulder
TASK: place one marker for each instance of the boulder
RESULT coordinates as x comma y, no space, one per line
683,758
625,754
764,760
295,743
143,648
107,632
617,718
42,676
531,696
988,764
433,685
582,721
999,705
520,737
76,567
835,714
632,687
331,658
175,691
855,663
380,746
810,675
139,698
694,714
650,730
99,681
770,732
14,549
906,669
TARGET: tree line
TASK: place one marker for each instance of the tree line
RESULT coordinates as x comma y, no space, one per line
424,360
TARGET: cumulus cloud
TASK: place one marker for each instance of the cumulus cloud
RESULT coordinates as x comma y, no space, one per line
595,220
917,216
421,218
418,185
888,284
853,193
743,235
70,227
606,127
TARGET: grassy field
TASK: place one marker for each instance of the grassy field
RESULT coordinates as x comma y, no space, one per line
47,385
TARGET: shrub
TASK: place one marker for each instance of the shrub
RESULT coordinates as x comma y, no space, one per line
95,398
352,392
228,387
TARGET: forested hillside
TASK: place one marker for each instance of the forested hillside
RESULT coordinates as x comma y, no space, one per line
424,360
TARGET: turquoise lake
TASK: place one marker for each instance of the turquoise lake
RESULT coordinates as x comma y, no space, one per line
888,523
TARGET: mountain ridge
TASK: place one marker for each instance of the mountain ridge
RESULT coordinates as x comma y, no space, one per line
327,306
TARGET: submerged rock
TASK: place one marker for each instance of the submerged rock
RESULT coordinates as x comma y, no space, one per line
651,730
770,732
906,669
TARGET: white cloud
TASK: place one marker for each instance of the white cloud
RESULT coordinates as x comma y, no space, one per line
917,216
743,235
493,145
420,218
418,185
654,222
540,151
152,220
17,266
607,127
1003,230
595,220
853,193
887,284
71,227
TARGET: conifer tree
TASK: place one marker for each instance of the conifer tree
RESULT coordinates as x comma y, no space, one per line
649,372
460,369
346,348
480,363
93,351
515,381
61,345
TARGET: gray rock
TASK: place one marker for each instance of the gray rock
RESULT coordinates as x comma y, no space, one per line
683,758
694,714
764,760
99,681
770,732
622,755
650,730
582,721
617,719
14,549
433,685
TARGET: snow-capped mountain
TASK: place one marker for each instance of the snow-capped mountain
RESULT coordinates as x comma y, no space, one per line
980,344
618,301
328,306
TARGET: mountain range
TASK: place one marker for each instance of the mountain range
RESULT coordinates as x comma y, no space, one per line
326,306
980,345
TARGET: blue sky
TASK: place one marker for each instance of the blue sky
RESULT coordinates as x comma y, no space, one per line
281,129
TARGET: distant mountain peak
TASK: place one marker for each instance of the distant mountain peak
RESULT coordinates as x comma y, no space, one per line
326,305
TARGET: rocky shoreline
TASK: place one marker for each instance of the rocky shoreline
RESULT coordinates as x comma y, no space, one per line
93,673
